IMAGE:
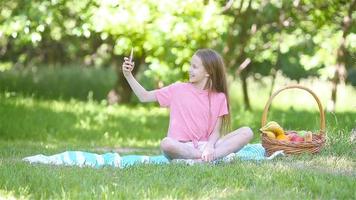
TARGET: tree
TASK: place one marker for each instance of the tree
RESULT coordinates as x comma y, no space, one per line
164,34
342,52
265,37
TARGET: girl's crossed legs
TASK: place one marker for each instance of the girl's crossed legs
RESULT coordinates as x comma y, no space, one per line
229,143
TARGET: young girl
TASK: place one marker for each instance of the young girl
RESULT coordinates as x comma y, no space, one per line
199,110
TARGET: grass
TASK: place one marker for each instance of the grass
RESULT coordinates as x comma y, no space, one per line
236,180
33,124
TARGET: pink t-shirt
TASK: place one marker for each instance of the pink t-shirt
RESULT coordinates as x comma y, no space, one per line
189,111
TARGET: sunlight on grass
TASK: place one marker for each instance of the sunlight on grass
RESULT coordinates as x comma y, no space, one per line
91,107
336,165
211,193
334,162
143,143
20,194
49,145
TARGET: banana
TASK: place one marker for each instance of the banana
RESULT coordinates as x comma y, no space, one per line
269,134
282,137
274,127
277,130
271,123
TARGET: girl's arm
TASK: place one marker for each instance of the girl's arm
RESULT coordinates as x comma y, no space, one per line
215,135
208,152
142,94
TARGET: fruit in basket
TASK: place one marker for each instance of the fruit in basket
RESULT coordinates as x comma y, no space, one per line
282,137
274,127
290,135
295,138
302,133
299,139
300,136
309,136
269,134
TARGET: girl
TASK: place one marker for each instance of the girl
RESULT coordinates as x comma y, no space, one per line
199,110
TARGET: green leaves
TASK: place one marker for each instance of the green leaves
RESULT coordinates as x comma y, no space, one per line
303,34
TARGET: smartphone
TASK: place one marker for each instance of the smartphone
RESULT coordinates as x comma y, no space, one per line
131,54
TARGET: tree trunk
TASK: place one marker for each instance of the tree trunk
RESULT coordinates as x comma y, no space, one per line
340,70
122,92
235,53
243,78
274,75
123,89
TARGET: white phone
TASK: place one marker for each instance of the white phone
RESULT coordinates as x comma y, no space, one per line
131,54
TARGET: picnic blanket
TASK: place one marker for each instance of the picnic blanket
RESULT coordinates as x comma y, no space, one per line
81,158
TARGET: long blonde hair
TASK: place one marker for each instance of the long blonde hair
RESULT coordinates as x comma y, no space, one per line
215,67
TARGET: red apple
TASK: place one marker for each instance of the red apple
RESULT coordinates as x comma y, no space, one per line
292,135
297,138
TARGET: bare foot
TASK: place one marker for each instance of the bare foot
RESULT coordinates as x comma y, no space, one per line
188,161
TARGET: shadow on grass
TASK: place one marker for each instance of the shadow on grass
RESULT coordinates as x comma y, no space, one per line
144,127
41,124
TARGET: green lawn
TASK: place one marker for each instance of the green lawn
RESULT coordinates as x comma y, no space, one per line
31,125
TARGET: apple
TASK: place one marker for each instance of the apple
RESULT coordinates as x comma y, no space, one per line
296,138
292,135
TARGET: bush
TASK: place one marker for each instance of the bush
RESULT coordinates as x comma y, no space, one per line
59,83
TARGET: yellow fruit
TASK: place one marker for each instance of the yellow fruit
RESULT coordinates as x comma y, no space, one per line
271,123
276,129
282,137
273,127
270,134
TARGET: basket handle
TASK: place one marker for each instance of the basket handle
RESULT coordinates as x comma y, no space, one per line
322,116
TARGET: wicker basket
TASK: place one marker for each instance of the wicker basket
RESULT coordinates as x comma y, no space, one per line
314,146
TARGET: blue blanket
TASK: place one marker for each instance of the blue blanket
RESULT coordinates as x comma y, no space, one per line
81,159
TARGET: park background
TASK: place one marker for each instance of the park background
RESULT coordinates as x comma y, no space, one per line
61,88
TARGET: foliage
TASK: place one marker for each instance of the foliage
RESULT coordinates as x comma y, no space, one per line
287,35
164,34
70,82
352,77
298,38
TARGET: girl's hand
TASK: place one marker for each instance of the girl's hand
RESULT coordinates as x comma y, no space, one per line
127,67
208,154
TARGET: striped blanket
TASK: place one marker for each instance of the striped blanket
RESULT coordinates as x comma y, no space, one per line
81,158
